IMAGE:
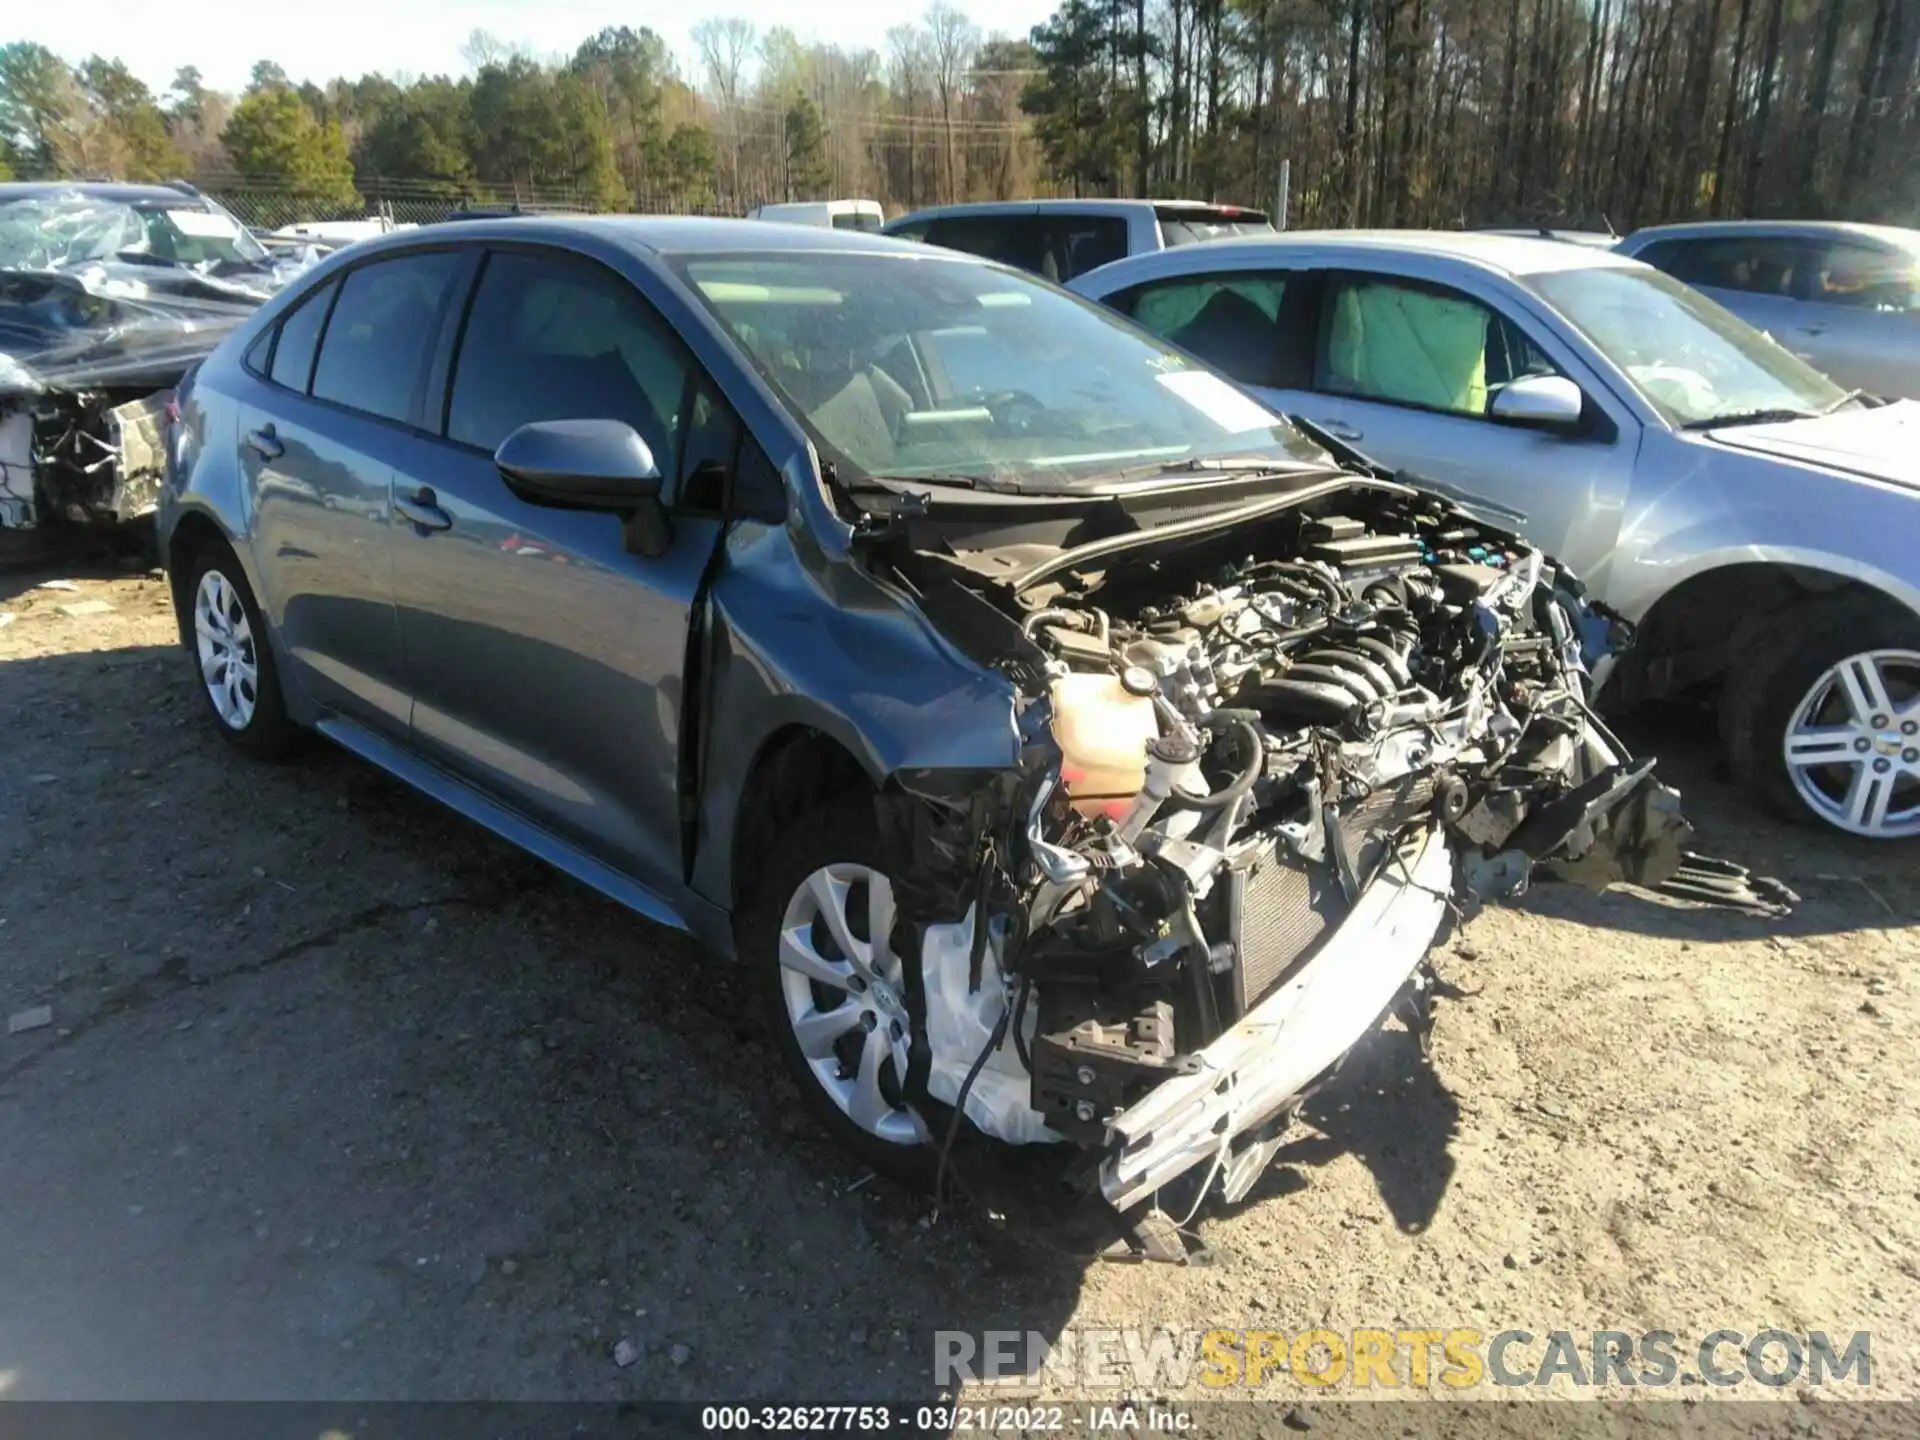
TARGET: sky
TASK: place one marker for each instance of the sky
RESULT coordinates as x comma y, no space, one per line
319,39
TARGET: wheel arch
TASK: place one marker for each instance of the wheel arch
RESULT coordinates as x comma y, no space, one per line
1695,632
795,768
192,532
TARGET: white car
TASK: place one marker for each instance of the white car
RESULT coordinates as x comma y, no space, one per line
1753,518
1844,298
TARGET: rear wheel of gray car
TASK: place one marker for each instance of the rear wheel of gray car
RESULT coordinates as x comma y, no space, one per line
231,657
822,935
1828,730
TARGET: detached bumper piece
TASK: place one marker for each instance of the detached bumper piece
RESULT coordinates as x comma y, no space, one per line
1253,1071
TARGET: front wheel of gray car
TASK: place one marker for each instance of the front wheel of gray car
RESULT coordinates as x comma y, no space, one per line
1828,731
830,959
232,661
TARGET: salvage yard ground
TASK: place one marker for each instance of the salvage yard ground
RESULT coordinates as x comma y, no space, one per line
340,1097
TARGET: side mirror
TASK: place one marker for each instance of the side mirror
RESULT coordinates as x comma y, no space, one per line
588,465
1551,402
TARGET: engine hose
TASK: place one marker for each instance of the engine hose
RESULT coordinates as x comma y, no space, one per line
1239,785
1392,659
1071,618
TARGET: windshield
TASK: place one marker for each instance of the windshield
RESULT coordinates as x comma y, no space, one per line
1693,361
941,369
46,232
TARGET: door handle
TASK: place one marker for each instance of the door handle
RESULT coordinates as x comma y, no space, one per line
265,443
422,510
1340,430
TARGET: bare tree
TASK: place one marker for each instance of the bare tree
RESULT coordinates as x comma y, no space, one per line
726,44
951,40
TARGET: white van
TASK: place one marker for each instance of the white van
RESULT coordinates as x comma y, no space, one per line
827,214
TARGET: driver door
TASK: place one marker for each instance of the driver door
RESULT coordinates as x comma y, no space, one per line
545,660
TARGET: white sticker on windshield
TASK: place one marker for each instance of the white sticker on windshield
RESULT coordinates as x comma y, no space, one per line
1218,401
204,224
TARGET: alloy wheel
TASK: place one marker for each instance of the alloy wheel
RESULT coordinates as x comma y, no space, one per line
1852,746
223,639
845,999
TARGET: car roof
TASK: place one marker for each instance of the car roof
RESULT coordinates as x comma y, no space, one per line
1092,206
115,191
1891,237
1509,254
663,235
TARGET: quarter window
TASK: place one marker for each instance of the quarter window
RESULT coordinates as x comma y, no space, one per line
1425,346
383,326
552,339
299,337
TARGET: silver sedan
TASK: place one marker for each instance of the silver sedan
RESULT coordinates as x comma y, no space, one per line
1754,518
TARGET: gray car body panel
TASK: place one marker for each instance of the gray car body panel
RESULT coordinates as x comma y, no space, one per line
1862,349
797,635
1665,505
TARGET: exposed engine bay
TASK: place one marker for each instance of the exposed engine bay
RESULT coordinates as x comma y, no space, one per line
1265,765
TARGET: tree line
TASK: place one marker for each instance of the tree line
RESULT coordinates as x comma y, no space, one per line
1389,112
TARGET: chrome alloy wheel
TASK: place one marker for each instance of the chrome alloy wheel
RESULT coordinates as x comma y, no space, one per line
1853,745
229,666
845,999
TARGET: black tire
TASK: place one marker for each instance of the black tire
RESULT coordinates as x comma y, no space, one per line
840,831
1760,696
265,732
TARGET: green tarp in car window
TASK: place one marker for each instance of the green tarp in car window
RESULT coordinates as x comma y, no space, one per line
1409,345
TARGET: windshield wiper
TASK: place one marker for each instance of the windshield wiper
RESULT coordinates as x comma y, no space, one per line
1773,416
1846,399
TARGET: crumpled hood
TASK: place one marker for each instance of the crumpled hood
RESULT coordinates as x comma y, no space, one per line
1879,444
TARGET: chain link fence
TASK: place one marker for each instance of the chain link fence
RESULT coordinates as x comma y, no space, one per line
263,205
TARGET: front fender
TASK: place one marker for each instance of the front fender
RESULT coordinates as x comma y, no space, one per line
802,640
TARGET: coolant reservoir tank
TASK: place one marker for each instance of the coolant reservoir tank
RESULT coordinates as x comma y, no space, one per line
1102,732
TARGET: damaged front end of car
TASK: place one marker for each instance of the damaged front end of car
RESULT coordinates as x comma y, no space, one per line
1266,759
96,330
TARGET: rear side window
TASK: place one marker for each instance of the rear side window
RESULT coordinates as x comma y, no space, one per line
383,326
1230,321
1752,264
555,339
299,338
1082,243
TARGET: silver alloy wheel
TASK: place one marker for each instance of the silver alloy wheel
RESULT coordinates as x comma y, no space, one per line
1853,745
229,666
844,995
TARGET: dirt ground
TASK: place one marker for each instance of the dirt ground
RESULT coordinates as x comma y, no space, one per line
342,1098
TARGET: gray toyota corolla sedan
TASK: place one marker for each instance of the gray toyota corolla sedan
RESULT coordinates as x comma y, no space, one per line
1064,741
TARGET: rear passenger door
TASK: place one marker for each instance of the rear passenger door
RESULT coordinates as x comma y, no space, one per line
545,660
334,412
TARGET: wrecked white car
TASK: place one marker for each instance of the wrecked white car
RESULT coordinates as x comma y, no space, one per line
108,295
1077,754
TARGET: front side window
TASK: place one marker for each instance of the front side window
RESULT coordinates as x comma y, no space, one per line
1692,361
373,356
1230,321
1421,345
1016,240
299,337
555,339
911,367
1859,277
